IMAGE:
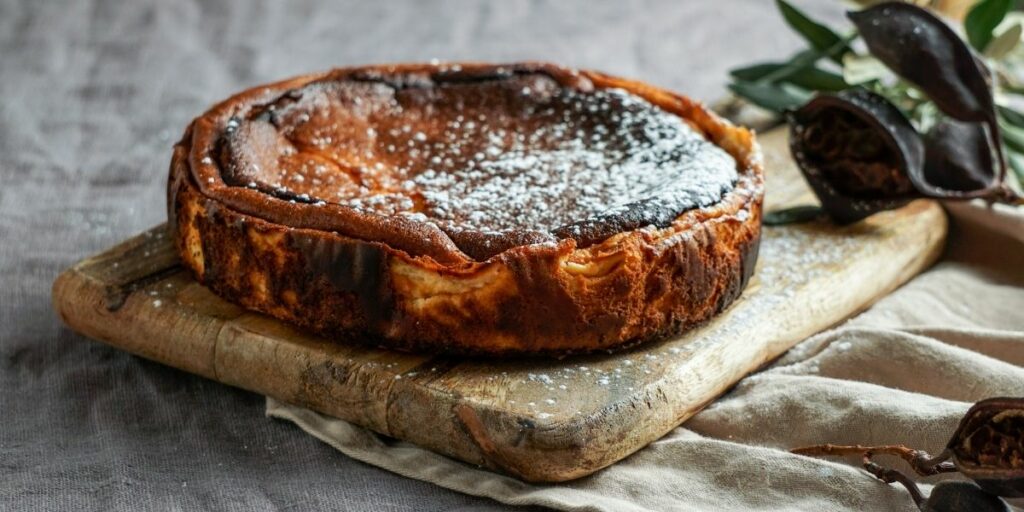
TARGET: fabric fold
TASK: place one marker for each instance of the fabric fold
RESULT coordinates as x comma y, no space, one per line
904,371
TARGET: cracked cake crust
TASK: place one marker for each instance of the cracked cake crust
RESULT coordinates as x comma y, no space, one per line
435,278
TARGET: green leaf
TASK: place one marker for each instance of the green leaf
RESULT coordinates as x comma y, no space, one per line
1004,43
755,72
806,59
1013,136
1012,18
982,19
1016,164
793,215
811,78
1011,116
775,97
819,36
817,79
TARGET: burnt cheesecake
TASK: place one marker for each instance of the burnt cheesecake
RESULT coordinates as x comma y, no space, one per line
469,208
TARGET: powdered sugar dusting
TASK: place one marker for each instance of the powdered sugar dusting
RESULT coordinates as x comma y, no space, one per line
597,153
522,153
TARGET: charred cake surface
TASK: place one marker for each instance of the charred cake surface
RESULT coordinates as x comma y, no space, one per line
507,153
474,208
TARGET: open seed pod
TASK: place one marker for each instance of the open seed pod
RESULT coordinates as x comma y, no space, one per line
988,446
857,152
918,46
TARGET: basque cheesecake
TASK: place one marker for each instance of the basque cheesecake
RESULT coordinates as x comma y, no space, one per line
469,208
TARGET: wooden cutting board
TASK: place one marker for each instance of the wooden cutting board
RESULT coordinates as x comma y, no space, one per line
540,419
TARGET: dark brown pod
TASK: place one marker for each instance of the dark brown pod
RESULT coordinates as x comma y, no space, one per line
857,152
988,446
958,161
921,48
961,497
918,46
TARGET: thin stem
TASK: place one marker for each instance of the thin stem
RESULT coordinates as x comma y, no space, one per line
889,476
920,461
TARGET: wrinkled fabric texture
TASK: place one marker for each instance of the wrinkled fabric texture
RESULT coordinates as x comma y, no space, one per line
903,372
93,93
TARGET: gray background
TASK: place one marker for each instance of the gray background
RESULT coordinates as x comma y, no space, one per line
92,96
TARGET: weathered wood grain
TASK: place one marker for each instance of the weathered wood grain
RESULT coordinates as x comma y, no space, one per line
541,419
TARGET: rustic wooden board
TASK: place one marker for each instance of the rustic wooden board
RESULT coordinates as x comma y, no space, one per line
541,420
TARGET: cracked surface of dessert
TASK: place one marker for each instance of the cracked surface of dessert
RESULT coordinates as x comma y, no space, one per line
471,208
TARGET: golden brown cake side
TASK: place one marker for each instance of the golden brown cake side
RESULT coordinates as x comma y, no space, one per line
552,297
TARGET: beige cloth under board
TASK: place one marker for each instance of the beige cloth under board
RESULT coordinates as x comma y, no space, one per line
904,371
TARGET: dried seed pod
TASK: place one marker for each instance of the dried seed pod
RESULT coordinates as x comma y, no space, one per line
988,446
960,497
958,162
857,151
921,48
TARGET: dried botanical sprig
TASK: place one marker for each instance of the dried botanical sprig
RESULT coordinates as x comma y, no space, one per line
920,461
987,447
948,496
922,68
922,49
